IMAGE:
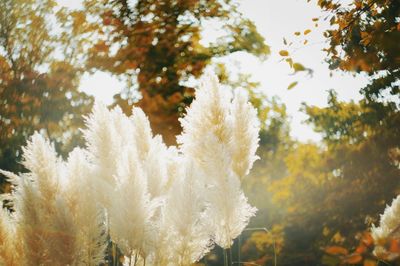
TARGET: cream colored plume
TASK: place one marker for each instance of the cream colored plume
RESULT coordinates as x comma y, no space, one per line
221,137
389,227
163,205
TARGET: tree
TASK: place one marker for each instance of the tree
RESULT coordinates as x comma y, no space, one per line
361,162
365,39
330,193
358,163
362,138
158,46
38,89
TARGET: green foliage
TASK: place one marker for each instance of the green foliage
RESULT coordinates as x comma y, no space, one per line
328,195
332,193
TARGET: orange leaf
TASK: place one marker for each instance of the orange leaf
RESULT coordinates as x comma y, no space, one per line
307,32
367,239
336,250
353,259
394,246
369,263
361,249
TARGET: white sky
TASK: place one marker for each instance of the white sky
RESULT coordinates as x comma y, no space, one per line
274,20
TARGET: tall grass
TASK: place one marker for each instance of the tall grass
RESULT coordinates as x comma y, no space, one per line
161,205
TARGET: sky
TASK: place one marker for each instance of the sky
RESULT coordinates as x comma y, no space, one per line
275,20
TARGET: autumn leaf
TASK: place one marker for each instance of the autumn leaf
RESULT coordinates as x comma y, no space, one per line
290,61
353,259
369,263
307,31
367,239
336,250
394,246
297,33
283,53
298,67
361,249
292,85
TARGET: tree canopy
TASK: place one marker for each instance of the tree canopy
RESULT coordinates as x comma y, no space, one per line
38,89
159,46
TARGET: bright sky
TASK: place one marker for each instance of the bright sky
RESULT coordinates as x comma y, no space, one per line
274,20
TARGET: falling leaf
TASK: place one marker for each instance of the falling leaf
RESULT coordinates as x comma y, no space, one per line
297,33
306,41
307,31
290,61
283,53
292,85
315,19
284,41
298,67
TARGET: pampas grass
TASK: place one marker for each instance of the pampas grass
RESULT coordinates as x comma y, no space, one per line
388,229
160,205
10,244
222,142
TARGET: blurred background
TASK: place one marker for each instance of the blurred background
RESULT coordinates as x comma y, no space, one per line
323,75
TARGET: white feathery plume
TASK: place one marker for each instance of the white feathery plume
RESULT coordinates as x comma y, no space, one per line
40,158
246,128
87,213
43,223
27,207
13,179
63,247
152,153
10,243
104,149
35,200
230,212
160,245
140,178
208,138
132,210
189,234
206,121
163,205
155,166
389,226
142,133
173,167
